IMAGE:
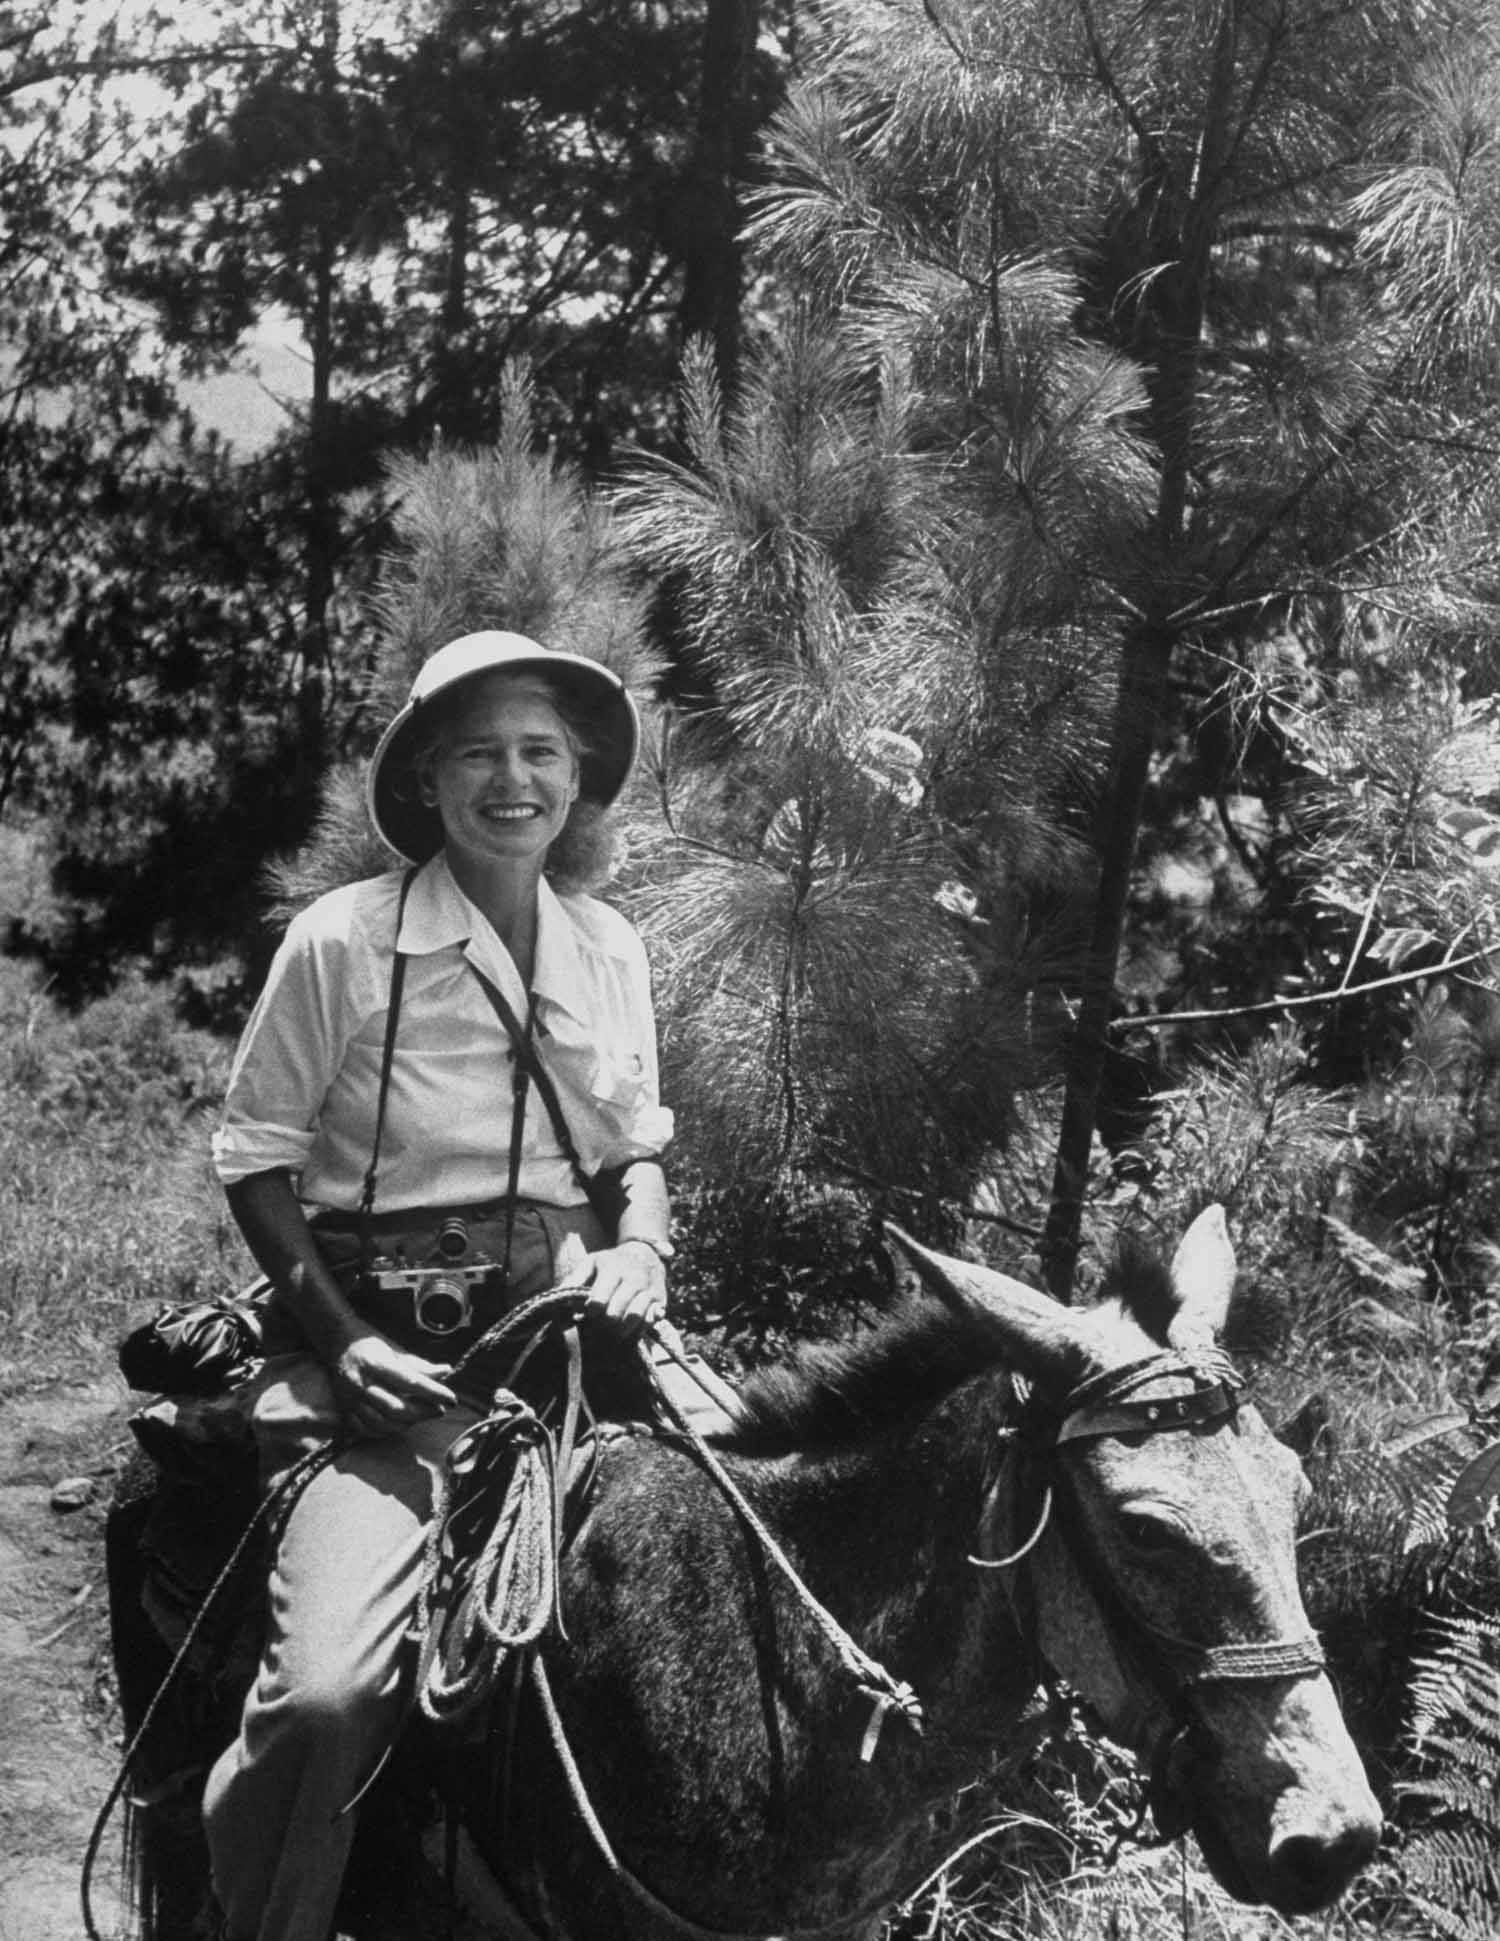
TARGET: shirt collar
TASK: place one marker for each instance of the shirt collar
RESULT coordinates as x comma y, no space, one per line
438,916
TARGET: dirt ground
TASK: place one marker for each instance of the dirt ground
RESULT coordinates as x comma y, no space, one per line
58,1725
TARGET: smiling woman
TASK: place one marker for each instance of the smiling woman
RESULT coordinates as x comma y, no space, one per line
585,700
477,1050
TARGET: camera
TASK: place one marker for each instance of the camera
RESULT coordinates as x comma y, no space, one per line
442,1295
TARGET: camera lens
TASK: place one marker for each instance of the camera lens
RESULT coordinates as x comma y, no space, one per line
442,1306
453,1239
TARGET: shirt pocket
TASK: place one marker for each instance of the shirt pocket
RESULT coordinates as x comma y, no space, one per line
619,1080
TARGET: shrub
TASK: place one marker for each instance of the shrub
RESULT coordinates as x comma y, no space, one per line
106,1202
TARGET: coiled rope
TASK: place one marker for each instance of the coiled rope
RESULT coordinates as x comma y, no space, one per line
489,1583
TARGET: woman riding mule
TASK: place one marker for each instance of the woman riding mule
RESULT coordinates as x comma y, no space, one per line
448,1084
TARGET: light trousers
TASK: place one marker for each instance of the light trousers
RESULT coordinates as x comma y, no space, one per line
328,1698
278,1807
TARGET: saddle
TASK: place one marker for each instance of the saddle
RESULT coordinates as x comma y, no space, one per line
181,1519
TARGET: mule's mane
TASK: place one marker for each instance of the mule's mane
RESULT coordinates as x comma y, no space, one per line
1140,1280
835,1395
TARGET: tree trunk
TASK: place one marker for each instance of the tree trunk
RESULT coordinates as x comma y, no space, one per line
1138,711
321,529
453,405
713,269
1184,192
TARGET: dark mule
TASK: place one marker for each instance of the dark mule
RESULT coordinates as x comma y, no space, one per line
719,1741
719,1744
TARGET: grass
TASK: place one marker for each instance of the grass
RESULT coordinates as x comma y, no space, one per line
1160,1894
106,1201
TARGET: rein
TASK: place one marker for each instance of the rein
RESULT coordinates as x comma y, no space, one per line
885,1693
277,1500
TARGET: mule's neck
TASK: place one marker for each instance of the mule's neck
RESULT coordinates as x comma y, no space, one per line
887,1533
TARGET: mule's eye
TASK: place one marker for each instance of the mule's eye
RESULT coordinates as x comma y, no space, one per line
1152,1535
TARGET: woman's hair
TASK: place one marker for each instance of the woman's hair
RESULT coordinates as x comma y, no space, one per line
585,852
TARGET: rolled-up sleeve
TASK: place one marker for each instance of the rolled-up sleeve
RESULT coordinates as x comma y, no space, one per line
287,1058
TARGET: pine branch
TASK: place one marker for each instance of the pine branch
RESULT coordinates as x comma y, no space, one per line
1307,1001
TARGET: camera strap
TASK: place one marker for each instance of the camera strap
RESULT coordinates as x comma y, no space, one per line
529,1066
517,1124
387,1056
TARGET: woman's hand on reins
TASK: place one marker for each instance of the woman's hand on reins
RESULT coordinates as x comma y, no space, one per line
381,1388
628,1286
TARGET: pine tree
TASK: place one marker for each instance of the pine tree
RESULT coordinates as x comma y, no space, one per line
1226,259
422,196
853,800
84,406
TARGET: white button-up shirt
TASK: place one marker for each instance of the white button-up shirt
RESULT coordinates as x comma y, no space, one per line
306,1078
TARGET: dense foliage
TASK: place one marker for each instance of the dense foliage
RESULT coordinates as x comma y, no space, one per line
1078,585
407,195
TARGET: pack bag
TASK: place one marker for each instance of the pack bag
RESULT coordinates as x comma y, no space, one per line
198,1347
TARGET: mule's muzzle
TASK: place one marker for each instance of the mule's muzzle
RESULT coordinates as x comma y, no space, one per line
1309,1872
1316,1845
1304,1869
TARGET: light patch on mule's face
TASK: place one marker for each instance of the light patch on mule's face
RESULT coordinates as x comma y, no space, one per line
1197,1527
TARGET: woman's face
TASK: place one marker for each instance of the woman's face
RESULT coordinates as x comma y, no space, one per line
503,775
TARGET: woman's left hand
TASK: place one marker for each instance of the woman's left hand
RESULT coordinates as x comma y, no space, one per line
628,1286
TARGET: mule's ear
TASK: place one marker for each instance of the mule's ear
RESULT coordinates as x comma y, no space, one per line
1033,1333
1202,1274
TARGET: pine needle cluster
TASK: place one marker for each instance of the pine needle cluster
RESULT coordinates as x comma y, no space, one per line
821,1003
1430,218
504,537
1249,1131
895,556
